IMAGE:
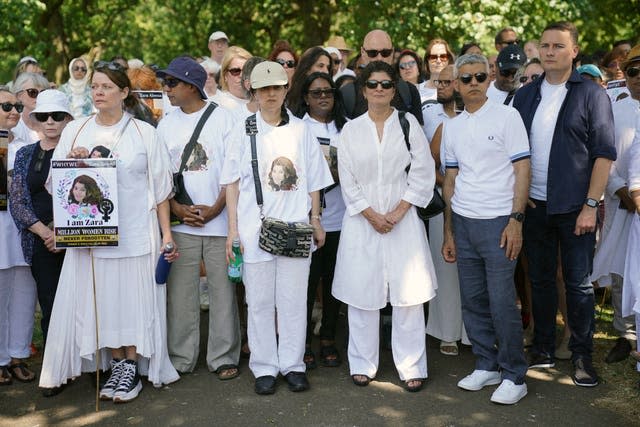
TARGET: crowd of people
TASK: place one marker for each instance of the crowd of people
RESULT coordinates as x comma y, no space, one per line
535,149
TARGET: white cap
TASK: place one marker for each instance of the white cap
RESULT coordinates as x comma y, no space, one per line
331,49
268,73
217,35
52,100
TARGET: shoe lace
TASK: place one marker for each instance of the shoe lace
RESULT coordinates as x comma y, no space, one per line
127,377
114,378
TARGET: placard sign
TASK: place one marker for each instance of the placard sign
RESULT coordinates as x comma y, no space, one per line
616,88
85,202
153,99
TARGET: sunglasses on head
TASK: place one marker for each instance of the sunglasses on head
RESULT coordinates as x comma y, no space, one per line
372,53
633,71
7,107
110,65
508,73
57,116
169,82
466,77
523,79
321,93
286,63
407,65
373,84
440,56
235,72
33,93
83,69
444,83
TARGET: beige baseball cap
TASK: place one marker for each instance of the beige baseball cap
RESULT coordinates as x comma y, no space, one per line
268,73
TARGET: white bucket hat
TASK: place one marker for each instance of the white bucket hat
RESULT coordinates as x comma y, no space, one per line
52,100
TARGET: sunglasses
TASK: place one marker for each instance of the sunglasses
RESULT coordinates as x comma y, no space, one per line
321,93
633,71
287,64
372,53
83,69
37,167
407,65
7,107
524,79
443,83
171,82
57,116
235,72
466,77
33,93
510,42
440,56
508,73
373,84
110,65
337,62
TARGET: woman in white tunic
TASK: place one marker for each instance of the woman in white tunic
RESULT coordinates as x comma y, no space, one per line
292,171
131,307
383,254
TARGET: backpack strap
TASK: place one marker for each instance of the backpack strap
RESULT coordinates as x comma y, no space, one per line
348,93
405,94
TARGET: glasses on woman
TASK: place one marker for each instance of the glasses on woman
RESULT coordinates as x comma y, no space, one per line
321,93
33,92
441,56
57,116
76,68
524,79
7,107
467,77
407,65
235,72
286,63
385,84
110,65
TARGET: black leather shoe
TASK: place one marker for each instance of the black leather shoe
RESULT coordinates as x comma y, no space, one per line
297,381
619,352
265,384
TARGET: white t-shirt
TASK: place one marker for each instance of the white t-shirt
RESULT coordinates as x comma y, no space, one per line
433,115
290,166
333,209
542,128
202,171
496,95
24,133
427,93
482,146
229,100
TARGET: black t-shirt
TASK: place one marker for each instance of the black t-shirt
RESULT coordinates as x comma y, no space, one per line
40,197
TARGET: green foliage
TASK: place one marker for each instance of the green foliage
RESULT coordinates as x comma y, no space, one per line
55,31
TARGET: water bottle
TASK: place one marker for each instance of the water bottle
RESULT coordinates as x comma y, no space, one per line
163,266
234,270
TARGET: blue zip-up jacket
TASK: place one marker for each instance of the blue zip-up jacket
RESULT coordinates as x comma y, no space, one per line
584,132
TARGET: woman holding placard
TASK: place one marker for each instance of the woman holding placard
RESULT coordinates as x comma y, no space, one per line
130,330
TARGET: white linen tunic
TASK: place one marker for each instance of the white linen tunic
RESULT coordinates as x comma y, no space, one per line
372,268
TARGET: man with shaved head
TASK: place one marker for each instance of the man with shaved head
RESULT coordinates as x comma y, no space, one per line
377,46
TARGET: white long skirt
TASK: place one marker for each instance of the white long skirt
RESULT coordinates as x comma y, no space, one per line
131,312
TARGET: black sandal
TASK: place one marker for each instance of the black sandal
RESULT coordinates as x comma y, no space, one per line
5,376
414,388
330,356
359,382
309,359
21,372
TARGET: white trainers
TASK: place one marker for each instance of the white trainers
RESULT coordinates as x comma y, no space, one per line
509,393
479,379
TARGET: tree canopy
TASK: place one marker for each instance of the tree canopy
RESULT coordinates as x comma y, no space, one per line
157,30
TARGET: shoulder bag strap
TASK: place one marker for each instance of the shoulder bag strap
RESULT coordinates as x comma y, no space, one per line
251,128
509,97
188,149
404,124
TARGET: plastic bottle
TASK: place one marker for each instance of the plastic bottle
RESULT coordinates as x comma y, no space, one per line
163,266
234,270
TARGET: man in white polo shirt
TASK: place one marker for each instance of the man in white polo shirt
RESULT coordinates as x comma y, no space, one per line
485,188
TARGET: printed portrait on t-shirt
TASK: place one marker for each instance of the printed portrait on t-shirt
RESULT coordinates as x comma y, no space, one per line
99,152
198,159
283,175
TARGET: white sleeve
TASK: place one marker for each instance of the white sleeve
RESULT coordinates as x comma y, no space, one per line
234,149
318,174
515,137
352,194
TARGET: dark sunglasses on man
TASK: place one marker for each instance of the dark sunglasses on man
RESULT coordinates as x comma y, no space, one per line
171,82
632,71
7,107
372,53
508,73
467,77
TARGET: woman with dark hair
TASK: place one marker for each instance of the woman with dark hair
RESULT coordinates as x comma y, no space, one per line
129,328
314,59
471,47
84,191
409,66
284,55
324,115
437,56
383,254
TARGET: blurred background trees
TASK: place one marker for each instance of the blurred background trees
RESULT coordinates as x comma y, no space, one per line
157,30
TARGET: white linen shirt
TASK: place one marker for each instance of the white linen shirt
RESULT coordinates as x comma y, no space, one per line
292,141
482,146
372,268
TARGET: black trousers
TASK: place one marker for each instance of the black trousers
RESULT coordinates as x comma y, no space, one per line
45,268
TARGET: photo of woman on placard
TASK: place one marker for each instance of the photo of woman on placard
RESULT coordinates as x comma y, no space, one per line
84,191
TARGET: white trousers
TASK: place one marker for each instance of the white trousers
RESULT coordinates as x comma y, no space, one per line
17,306
408,342
279,285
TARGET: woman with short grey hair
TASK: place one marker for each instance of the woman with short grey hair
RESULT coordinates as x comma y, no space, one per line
26,87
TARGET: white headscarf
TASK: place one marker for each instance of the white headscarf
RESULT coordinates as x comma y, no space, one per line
78,86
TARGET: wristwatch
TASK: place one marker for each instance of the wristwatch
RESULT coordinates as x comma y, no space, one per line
592,203
518,216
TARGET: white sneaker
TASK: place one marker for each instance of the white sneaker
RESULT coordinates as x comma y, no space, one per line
204,301
509,393
478,379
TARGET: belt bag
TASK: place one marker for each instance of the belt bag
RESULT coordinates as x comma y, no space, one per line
291,239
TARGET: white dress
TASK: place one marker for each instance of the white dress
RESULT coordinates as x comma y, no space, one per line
131,307
373,269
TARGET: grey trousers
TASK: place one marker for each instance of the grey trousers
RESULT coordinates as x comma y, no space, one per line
625,326
183,305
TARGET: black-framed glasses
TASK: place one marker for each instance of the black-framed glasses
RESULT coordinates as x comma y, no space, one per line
407,65
508,73
7,107
235,72
467,77
443,83
337,62
76,68
372,53
286,63
510,42
32,92
385,84
57,116
524,79
171,82
110,65
39,161
633,71
321,93
441,56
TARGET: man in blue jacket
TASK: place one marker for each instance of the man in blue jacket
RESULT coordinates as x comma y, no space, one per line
571,133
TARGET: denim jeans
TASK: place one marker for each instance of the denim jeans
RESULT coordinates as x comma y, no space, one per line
542,235
488,296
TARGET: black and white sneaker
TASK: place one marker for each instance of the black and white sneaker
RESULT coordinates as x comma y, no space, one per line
109,388
130,384
584,374
540,360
